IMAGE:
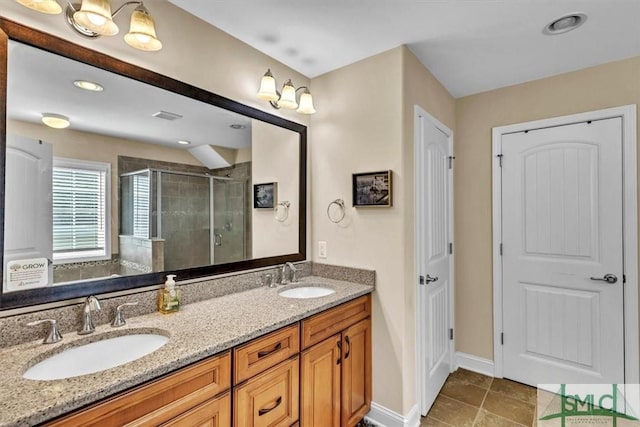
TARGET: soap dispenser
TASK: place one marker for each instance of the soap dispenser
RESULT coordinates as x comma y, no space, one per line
169,297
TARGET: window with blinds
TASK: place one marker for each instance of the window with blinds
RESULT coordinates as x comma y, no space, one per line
80,210
141,212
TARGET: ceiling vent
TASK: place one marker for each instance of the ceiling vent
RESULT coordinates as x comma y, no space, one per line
167,116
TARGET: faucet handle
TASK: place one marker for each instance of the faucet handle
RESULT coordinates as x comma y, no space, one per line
54,334
118,320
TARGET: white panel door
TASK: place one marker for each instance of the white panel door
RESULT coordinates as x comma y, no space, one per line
434,262
28,203
562,233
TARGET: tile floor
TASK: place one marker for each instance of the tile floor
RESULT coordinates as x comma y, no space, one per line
469,399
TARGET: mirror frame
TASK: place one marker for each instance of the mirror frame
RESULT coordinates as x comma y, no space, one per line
41,40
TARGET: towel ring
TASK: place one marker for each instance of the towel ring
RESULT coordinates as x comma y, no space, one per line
340,204
285,208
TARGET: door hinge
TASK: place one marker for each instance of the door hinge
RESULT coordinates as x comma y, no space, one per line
451,159
450,248
624,278
502,338
500,249
422,280
450,333
499,156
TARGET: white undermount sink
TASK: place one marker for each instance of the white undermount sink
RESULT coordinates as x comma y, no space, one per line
304,292
95,356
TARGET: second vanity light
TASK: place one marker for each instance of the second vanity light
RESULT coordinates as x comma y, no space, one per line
286,99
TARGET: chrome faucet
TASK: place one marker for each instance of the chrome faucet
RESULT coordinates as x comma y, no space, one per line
90,304
283,276
53,336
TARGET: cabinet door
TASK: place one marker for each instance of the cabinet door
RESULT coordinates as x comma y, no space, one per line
320,391
356,372
270,399
213,413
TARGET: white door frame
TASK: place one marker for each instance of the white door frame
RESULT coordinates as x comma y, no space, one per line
630,229
419,227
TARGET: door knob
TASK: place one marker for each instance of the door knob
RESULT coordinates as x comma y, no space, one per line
609,278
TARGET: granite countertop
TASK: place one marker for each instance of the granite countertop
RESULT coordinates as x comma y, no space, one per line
199,330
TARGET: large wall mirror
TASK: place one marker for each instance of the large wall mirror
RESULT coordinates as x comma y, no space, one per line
139,176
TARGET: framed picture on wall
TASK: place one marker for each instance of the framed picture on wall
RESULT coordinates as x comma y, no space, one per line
265,196
372,189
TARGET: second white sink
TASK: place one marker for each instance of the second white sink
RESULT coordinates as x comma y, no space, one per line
306,292
95,357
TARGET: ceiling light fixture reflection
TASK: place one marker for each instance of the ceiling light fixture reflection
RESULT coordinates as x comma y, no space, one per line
286,99
93,18
87,85
183,142
565,24
237,126
56,121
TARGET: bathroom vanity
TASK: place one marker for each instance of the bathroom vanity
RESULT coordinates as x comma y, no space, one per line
251,358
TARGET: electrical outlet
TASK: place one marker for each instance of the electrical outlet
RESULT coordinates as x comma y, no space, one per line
322,249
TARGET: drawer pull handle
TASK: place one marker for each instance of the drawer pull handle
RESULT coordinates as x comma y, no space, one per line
268,352
346,356
339,352
261,412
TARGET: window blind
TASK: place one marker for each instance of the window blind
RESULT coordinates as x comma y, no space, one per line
141,206
79,211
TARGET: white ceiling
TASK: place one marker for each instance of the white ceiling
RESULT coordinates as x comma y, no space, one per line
41,82
470,45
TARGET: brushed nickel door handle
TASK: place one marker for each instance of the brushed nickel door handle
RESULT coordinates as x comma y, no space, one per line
609,278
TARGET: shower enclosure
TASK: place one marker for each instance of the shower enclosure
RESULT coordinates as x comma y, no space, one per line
193,219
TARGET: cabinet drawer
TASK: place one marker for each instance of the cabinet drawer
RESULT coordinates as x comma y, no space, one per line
262,353
270,399
158,401
212,413
332,321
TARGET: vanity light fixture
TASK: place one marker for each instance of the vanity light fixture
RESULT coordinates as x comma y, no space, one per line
50,7
93,18
286,99
87,85
56,121
183,142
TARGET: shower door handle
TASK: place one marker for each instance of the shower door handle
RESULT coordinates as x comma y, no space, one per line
218,239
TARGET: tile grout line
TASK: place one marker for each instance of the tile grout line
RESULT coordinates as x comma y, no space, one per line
486,393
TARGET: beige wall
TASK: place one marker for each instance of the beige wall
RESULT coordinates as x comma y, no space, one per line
193,51
604,86
419,87
276,154
78,145
365,123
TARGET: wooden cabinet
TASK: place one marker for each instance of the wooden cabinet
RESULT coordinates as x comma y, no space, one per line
269,399
262,353
212,413
320,368
356,372
336,372
158,401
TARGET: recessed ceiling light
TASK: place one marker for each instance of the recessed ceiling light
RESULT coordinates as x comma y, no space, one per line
56,121
565,24
182,142
87,85
237,126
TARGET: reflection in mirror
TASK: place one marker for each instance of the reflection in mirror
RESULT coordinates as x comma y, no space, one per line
143,180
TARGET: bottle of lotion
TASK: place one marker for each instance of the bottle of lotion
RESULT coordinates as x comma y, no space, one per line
169,297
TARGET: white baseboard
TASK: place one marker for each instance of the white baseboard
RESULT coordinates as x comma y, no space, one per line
381,416
475,364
